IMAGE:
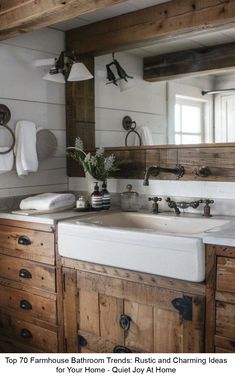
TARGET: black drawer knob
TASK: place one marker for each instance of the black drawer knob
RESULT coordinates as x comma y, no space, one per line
25,333
121,350
25,304
24,240
82,341
23,273
125,322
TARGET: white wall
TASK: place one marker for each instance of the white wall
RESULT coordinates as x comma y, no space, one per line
145,103
31,98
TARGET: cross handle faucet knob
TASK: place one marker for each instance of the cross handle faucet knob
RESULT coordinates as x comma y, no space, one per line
155,200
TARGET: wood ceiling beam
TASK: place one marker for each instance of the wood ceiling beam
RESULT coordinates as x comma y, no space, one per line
182,63
150,24
21,16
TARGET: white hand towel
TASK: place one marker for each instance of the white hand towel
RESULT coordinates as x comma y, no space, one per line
25,148
46,201
6,160
146,136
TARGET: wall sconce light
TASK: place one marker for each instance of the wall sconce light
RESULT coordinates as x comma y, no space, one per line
122,78
65,68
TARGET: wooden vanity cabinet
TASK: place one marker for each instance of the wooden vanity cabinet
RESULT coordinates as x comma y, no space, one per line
114,310
224,299
29,298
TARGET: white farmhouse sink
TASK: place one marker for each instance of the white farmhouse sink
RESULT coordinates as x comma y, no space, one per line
156,244
150,222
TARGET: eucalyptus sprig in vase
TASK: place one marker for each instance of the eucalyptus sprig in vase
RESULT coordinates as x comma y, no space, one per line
96,166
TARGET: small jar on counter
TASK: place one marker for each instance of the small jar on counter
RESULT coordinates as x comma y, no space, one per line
130,200
81,202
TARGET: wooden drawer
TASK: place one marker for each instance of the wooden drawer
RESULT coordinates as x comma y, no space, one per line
11,346
26,333
28,273
225,320
225,344
225,274
29,244
28,305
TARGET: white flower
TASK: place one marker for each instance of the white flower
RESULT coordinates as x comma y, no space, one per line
109,162
79,144
87,157
100,152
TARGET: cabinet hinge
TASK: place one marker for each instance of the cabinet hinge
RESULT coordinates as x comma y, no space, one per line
184,306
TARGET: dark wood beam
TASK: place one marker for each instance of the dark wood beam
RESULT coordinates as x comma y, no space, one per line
198,61
150,24
21,16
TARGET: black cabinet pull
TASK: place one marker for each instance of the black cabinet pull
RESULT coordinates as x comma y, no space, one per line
24,240
82,341
125,322
121,349
25,333
23,273
25,304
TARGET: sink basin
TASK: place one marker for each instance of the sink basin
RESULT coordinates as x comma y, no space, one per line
157,244
152,222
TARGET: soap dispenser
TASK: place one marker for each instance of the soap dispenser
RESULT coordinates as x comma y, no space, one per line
106,198
96,198
129,200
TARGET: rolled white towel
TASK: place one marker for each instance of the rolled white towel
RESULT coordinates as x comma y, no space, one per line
6,160
46,201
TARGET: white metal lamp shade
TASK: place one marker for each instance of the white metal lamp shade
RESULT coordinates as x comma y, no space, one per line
79,72
58,78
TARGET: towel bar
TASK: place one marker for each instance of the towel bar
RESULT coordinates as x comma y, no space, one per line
5,116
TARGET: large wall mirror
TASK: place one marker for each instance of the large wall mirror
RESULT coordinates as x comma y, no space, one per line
166,112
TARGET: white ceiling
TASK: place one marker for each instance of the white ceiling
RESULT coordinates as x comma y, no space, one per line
200,39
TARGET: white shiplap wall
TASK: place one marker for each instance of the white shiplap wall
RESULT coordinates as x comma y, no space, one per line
144,102
31,98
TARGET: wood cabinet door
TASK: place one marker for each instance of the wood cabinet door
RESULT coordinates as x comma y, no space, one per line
116,315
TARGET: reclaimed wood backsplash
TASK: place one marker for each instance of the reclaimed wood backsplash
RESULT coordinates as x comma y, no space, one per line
220,158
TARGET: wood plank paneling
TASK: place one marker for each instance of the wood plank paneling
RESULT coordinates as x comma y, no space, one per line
70,314
148,25
89,315
210,298
114,272
181,63
168,330
27,15
135,166
225,320
225,274
140,334
80,115
111,309
31,98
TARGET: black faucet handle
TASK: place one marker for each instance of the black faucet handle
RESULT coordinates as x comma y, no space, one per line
207,208
208,201
155,200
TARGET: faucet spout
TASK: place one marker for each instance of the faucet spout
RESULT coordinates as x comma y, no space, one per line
152,171
155,171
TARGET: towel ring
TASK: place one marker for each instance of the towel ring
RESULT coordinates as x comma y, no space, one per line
127,125
5,116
